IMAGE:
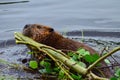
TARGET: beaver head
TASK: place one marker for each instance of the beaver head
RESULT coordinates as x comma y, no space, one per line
37,32
40,33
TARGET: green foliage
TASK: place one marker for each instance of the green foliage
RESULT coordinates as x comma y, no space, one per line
30,52
42,71
117,75
107,61
83,52
75,57
82,64
76,77
56,69
61,74
114,78
47,67
33,64
91,58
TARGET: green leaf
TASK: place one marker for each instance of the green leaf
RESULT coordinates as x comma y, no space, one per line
30,52
70,54
42,63
82,64
117,73
88,58
42,71
33,64
107,61
47,59
48,68
91,58
46,65
113,78
61,74
56,69
95,57
81,51
87,53
76,77
75,57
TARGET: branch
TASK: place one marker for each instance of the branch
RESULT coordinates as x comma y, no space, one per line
55,54
102,58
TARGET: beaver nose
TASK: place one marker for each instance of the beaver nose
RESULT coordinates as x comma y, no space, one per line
26,26
51,29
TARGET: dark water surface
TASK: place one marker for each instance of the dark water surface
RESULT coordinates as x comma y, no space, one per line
97,19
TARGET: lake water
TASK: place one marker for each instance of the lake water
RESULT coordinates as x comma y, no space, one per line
98,19
61,15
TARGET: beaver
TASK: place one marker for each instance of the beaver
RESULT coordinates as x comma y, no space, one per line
48,36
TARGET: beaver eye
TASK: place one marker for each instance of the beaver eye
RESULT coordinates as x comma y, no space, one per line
39,27
51,30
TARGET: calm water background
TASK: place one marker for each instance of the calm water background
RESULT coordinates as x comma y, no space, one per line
63,15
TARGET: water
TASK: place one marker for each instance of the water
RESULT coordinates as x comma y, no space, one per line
63,15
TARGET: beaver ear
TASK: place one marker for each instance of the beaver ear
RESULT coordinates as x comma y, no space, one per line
26,26
51,30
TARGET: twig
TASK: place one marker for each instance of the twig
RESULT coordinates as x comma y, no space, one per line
102,58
